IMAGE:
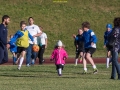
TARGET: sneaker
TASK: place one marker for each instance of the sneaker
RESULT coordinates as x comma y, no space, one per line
59,74
43,61
28,65
95,70
75,65
19,68
84,72
33,62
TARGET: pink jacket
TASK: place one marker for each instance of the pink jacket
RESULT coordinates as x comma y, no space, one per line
58,55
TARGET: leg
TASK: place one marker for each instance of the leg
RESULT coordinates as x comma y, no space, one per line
42,49
113,73
33,56
1,55
84,64
108,59
88,55
28,54
76,58
21,59
115,64
5,59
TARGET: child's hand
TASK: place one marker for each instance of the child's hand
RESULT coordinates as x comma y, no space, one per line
74,35
64,58
92,43
104,46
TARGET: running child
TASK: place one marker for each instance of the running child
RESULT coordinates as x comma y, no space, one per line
21,40
107,32
79,44
90,40
59,55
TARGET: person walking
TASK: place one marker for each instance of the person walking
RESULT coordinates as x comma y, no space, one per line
115,38
35,32
42,42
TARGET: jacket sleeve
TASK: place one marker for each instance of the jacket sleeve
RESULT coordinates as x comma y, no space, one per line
53,55
93,37
105,39
17,35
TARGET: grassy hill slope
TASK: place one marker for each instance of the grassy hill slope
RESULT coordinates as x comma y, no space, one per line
61,20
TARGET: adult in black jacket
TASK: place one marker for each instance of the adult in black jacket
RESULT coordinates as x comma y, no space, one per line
3,39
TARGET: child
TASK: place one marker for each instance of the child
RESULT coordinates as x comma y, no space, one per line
79,44
13,50
42,42
90,40
21,39
107,32
59,55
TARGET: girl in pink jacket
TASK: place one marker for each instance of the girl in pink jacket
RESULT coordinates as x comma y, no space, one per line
59,55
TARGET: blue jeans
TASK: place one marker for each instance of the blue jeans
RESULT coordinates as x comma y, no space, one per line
115,64
30,54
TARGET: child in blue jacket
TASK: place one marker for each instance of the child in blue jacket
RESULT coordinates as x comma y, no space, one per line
20,39
107,32
90,40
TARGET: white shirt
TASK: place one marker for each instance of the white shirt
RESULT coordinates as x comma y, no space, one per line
42,38
33,30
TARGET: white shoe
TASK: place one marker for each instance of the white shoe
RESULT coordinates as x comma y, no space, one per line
19,68
28,65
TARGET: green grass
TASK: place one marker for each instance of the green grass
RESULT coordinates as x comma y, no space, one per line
45,78
61,20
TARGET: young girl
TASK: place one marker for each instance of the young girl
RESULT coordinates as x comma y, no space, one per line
107,32
59,55
79,44
21,40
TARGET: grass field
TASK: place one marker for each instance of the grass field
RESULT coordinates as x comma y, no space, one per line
61,20
45,78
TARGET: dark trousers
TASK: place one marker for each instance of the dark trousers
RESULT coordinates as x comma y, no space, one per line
40,54
3,54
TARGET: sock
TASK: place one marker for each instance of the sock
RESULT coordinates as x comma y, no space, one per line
85,69
94,66
59,71
107,63
76,60
21,61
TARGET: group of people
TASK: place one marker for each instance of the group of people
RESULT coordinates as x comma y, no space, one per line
85,43
22,41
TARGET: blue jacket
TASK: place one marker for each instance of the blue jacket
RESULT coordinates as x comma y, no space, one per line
89,37
3,34
106,36
79,41
13,48
18,35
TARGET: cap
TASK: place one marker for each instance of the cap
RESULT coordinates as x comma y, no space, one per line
109,26
59,43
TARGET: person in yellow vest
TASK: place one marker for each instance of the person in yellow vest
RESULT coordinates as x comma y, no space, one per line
21,39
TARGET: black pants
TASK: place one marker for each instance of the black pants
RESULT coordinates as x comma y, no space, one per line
40,54
3,54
